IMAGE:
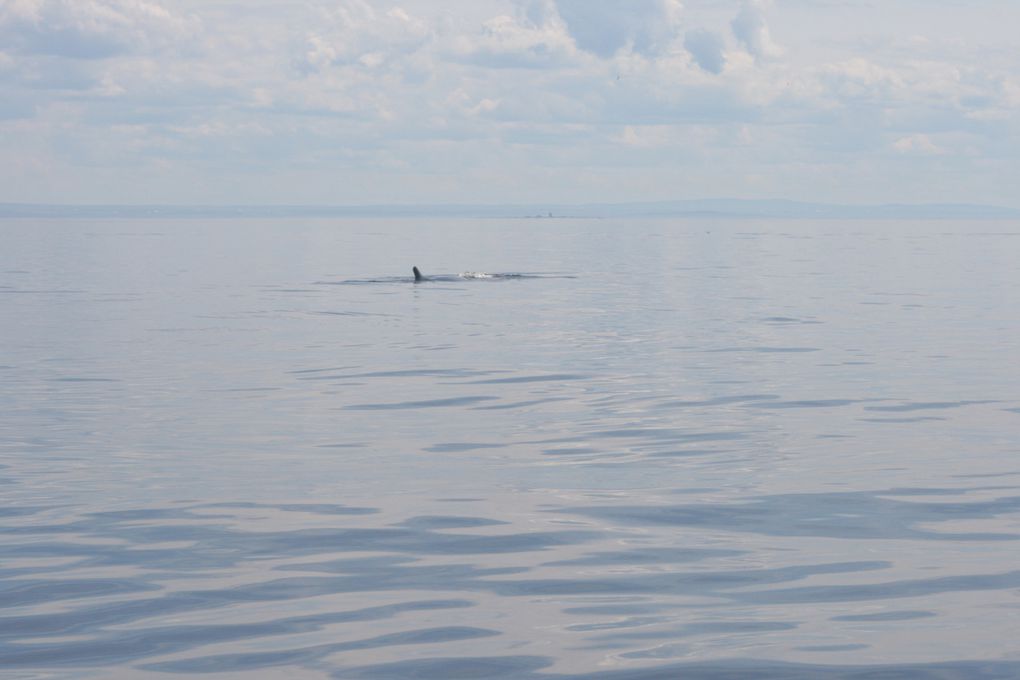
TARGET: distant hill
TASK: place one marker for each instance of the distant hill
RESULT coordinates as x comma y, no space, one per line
702,208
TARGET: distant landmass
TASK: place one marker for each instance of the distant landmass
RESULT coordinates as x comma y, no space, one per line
703,208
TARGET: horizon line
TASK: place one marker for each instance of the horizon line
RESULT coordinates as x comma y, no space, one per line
701,207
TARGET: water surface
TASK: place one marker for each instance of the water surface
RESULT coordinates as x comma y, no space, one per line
643,449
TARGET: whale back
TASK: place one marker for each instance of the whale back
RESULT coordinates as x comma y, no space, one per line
417,274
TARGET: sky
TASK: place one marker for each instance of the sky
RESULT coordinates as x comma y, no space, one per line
508,101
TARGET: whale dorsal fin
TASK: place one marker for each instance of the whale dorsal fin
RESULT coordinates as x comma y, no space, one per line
417,274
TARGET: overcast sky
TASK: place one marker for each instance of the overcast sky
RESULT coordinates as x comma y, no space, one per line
508,101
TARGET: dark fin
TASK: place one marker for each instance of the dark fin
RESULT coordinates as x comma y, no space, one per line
417,274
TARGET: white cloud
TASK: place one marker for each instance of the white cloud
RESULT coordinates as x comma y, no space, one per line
861,78
648,136
604,27
355,32
435,96
88,30
531,39
917,144
751,29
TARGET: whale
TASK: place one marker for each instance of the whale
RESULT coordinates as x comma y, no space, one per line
468,276
418,277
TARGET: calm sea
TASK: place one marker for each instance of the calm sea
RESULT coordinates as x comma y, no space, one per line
687,449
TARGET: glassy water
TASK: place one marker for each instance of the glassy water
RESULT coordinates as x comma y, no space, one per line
662,449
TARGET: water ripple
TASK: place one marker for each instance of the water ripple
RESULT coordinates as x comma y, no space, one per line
850,515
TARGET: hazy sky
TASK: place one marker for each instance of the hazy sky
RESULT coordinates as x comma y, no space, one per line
519,101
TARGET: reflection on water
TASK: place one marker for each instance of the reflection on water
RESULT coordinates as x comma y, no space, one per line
709,451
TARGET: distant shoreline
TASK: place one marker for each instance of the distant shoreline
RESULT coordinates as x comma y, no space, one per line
693,209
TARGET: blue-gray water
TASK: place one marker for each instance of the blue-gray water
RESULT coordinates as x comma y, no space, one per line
673,449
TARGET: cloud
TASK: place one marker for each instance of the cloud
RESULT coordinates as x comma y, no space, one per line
88,30
751,29
917,144
355,32
449,94
861,79
544,33
707,48
535,38
647,136
604,27
537,12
